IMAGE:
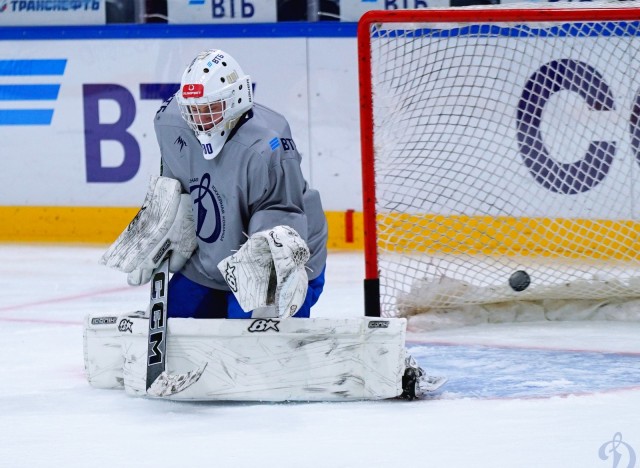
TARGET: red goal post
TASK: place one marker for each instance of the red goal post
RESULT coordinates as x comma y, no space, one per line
425,93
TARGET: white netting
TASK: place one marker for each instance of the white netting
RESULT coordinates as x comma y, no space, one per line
506,146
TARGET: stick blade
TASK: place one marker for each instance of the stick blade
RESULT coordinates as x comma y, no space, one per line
169,384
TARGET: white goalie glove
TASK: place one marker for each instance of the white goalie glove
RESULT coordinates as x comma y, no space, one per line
164,223
269,270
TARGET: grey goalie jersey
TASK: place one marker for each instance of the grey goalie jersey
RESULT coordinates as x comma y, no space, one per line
255,183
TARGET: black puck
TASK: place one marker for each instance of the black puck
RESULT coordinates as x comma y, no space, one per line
519,280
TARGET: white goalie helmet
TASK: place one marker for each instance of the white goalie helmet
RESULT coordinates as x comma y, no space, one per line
214,93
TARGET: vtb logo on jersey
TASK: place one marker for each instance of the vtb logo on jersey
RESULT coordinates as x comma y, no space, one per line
286,143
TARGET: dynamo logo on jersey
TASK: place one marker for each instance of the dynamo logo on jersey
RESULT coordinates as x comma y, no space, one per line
20,96
209,210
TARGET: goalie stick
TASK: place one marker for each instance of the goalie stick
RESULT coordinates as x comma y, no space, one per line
159,382
157,344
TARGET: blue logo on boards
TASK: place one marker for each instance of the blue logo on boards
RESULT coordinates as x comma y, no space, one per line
196,2
20,93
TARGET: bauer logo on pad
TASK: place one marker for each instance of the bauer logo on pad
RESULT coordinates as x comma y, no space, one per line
192,90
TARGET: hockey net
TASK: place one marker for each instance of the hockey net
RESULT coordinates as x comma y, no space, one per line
496,141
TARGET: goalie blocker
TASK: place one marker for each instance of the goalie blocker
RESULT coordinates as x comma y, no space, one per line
315,359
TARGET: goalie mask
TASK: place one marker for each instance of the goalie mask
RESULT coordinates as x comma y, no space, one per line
214,93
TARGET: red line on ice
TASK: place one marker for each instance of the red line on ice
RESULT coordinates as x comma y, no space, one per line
43,321
61,299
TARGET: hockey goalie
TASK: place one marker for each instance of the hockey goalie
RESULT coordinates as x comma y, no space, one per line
233,243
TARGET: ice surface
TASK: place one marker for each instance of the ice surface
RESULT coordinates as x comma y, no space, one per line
541,394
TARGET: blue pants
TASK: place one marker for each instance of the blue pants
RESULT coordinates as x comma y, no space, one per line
189,299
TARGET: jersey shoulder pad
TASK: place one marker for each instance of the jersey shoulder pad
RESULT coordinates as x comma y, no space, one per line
267,132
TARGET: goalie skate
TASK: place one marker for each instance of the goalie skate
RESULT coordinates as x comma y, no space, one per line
416,383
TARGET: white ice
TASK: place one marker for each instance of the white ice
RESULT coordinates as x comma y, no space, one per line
553,394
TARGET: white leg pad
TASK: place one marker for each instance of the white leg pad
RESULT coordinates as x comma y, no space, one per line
103,359
274,360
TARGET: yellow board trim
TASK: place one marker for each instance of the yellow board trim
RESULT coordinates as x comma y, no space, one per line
63,224
478,235
101,225
492,236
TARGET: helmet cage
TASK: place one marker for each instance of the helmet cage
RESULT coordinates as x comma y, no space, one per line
209,114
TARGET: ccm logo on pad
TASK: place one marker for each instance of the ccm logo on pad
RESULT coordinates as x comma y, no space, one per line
192,91
378,324
104,320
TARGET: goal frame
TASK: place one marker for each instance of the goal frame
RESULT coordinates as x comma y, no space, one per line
436,15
